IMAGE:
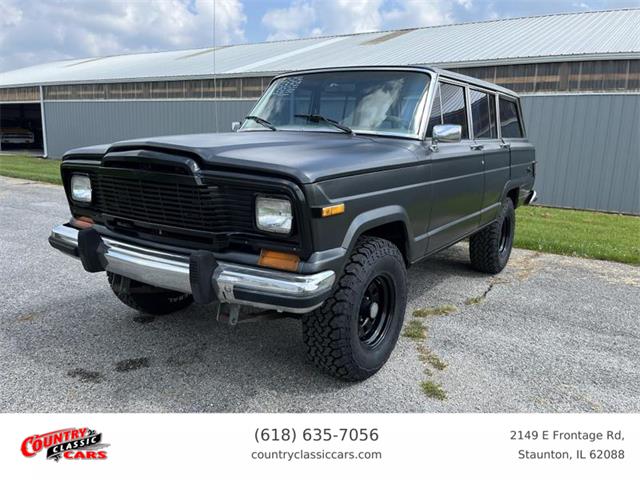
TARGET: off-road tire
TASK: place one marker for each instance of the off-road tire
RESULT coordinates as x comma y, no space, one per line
489,249
332,332
146,298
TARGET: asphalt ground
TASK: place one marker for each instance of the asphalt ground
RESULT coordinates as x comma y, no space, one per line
549,334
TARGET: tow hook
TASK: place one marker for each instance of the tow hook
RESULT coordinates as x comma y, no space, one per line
232,314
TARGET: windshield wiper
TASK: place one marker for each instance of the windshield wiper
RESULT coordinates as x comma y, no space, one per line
314,117
261,121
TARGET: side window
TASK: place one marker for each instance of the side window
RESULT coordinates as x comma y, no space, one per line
509,119
449,106
483,115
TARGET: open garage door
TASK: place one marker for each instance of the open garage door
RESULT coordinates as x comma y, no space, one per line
21,127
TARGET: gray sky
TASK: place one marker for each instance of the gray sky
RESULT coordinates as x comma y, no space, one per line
37,31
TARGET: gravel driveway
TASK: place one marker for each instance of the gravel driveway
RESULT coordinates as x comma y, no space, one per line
549,334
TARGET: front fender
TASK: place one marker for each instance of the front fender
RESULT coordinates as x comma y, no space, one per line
335,258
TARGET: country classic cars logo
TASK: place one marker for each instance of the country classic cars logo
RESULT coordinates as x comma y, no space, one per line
70,443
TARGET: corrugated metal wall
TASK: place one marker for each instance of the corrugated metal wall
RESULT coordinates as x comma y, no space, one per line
588,150
78,124
587,146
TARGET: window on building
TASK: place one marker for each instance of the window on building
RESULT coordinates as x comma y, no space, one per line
19,94
547,77
580,76
159,90
509,119
633,81
229,87
483,114
175,89
590,77
251,87
614,75
193,89
114,91
586,76
128,90
211,88
449,106
144,90
520,78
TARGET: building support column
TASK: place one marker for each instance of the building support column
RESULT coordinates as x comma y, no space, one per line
44,123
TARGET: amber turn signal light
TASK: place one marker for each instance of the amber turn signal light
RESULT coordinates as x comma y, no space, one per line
279,260
332,210
82,222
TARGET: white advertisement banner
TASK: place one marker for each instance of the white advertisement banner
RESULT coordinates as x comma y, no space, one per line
320,445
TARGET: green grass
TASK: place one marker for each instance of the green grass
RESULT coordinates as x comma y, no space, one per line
474,300
30,168
433,390
416,330
435,311
604,236
427,356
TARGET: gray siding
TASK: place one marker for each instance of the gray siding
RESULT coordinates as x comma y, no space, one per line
79,124
588,150
587,146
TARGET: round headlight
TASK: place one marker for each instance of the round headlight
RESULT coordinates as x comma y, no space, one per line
81,188
274,214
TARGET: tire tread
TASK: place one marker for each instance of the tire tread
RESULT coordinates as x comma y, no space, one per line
326,330
483,245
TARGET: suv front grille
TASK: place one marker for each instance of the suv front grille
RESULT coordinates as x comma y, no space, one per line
206,208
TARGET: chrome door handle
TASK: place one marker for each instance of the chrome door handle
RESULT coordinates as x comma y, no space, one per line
505,145
477,147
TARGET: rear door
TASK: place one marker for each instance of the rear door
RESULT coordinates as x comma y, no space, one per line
496,157
457,184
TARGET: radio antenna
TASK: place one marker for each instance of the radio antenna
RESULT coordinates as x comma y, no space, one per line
215,83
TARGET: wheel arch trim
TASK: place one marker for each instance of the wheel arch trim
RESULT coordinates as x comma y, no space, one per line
376,218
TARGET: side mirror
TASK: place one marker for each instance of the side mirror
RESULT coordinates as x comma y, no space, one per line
235,126
447,133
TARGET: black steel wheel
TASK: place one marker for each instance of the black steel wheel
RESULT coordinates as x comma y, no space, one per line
376,310
505,236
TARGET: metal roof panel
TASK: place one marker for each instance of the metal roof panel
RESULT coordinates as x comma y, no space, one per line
602,34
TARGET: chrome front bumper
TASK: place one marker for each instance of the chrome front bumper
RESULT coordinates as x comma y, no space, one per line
233,283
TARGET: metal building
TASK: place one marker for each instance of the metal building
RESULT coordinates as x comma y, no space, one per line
578,74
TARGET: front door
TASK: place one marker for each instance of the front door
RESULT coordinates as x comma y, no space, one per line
457,173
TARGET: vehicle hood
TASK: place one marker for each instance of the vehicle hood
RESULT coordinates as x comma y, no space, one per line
306,157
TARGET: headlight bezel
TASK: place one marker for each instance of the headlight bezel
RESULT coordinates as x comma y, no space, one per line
80,177
262,224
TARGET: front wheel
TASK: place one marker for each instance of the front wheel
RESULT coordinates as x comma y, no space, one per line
490,248
353,333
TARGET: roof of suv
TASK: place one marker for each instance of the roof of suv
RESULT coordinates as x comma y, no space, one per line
440,71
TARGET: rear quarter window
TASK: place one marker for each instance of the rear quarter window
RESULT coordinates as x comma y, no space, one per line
509,119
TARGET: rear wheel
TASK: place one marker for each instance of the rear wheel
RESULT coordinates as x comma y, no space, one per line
353,333
490,248
147,298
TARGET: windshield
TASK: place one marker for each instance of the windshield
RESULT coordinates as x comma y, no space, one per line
366,101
